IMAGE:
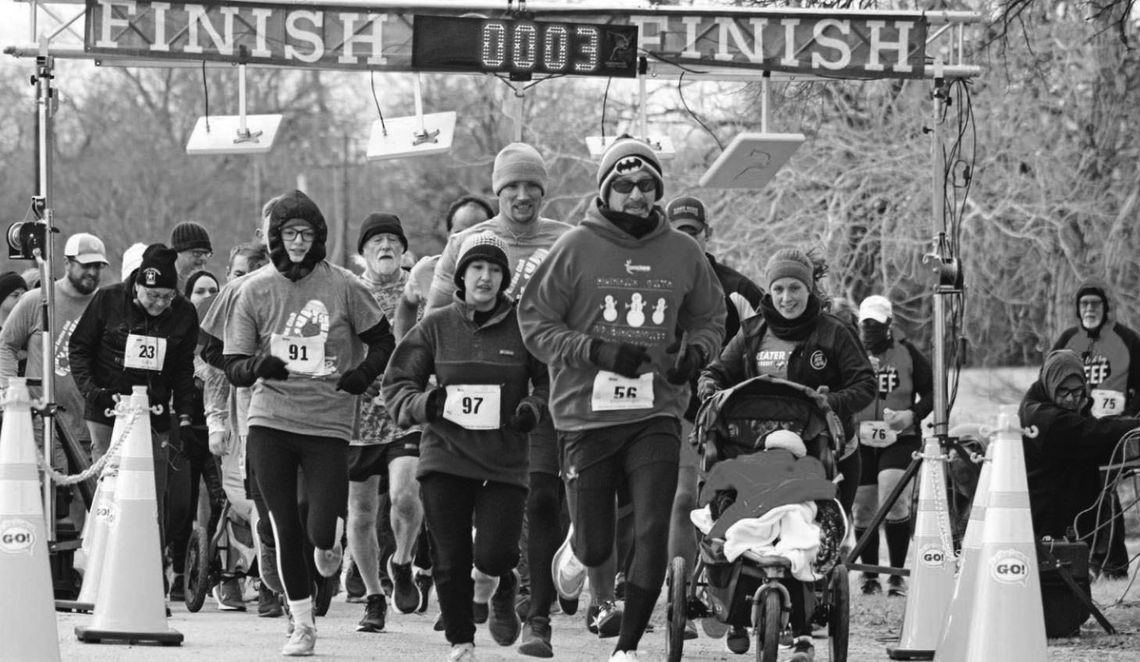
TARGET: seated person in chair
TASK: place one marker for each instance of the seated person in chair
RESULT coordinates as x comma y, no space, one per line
1064,447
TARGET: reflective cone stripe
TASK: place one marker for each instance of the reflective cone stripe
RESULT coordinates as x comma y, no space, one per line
28,610
932,572
953,640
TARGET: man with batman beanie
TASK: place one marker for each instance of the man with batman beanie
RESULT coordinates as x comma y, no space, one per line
625,312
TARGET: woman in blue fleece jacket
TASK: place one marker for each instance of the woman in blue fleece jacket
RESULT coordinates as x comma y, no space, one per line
473,452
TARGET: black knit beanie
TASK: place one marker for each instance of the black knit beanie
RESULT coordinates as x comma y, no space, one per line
380,223
482,246
10,282
188,236
157,268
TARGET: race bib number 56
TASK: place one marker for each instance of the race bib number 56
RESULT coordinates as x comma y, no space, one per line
612,392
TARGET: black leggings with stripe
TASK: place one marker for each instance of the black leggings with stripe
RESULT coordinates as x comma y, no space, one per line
276,456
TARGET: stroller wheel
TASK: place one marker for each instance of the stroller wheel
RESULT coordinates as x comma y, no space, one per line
838,626
676,611
197,571
767,619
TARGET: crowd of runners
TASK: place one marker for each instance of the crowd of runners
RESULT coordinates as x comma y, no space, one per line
498,422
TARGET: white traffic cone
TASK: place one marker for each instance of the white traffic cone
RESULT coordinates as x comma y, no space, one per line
932,573
953,639
28,608
97,530
130,605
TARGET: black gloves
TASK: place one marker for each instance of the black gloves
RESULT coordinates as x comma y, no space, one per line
270,367
433,407
524,419
621,358
687,365
354,381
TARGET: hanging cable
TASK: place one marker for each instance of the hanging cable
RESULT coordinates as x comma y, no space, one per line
206,91
372,82
605,100
681,94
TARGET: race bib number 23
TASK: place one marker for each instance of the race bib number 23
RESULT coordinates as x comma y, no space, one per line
144,352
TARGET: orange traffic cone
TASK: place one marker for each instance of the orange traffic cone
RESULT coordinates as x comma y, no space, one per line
28,609
130,604
954,634
932,573
1006,620
95,533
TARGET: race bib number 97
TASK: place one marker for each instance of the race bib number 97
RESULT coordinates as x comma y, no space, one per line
612,392
144,352
473,406
876,434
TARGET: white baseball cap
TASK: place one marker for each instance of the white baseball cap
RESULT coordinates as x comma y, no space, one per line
875,307
85,248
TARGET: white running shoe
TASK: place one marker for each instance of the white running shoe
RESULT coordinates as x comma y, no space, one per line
568,572
629,656
462,653
301,642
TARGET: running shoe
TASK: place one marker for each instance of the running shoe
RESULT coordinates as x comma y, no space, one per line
568,572
177,589
536,638
267,566
504,622
690,631
628,656
870,586
480,611
328,560
302,641
406,595
374,610
738,640
607,619
227,594
354,585
896,587
268,603
440,624
802,650
424,581
323,591
461,653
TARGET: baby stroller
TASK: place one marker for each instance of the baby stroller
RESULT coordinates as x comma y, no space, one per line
227,553
744,588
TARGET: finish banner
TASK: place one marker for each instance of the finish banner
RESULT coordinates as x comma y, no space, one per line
836,43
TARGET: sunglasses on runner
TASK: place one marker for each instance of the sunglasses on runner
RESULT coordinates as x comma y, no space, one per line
626,185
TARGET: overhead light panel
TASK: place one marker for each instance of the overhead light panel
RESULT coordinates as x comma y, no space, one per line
234,134
751,160
416,135
661,145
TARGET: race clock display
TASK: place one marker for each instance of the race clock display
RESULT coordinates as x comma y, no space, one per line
523,48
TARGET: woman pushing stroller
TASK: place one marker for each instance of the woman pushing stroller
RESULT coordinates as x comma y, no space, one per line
793,339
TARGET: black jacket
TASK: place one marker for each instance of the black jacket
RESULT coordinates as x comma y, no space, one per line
99,341
1063,452
829,356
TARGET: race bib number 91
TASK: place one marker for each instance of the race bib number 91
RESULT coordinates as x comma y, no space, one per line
144,352
473,406
301,355
612,392
876,434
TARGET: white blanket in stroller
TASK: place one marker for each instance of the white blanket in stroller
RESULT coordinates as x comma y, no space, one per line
786,531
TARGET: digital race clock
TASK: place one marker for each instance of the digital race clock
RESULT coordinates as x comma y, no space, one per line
522,48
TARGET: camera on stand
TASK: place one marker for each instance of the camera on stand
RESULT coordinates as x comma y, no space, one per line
25,238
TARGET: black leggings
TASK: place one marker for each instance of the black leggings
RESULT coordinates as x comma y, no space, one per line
543,507
190,462
276,455
451,505
646,463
